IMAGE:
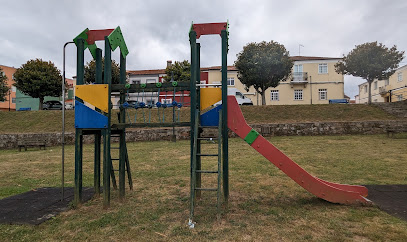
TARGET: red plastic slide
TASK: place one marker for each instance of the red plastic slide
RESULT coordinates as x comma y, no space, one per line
332,192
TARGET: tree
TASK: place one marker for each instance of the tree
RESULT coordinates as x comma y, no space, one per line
263,65
4,89
181,71
90,72
370,61
38,78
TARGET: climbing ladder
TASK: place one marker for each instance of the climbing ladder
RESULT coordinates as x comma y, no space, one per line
198,156
116,160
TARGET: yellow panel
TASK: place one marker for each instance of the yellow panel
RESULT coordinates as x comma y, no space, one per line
96,94
210,96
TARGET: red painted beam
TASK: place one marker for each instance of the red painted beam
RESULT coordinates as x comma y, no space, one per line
210,28
99,34
332,192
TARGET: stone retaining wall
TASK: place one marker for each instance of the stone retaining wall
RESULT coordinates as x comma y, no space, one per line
10,141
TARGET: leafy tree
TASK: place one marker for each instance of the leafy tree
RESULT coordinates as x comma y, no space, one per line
181,71
4,89
38,78
90,72
370,61
263,65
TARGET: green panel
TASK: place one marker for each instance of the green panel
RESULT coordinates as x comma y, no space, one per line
82,35
251,136
92,48
70,94
116,40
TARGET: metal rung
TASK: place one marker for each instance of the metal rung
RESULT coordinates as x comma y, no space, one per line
115,136
206,189
118,170
207,154
115,148
202,171
114,159
209,127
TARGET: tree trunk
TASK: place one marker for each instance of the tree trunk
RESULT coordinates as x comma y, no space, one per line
263,98
369,100
41,101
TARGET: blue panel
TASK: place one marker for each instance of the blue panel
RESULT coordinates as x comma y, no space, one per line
211,118
87,118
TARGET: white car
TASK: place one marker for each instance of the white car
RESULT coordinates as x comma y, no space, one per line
68,106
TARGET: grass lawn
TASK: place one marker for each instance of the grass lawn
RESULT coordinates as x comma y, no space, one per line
50,121
264,204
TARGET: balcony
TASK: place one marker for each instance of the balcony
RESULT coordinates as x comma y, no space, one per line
300,78
384,91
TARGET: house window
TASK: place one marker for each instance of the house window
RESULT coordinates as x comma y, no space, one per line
231,81
13,100
166,101
322,94
297,68
400,77
365,88
13,89
136,81
323,68
298,94
151,81
386,82
400,97
375,85
274,95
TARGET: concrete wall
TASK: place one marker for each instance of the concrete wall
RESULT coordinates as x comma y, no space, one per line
10,141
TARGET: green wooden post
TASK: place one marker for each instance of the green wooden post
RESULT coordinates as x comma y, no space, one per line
98,61
122,156
198,104
107,163
80,61
78,167
96,175
98,135
78,132
192,39
225,153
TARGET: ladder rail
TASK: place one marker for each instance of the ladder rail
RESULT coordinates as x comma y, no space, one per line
218,202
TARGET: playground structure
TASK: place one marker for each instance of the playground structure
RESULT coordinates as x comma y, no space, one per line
93,115
93,111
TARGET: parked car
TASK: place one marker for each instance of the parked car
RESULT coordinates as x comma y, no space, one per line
240,97
68,106
132,103
52,105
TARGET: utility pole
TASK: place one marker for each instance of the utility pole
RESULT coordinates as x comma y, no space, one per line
9,99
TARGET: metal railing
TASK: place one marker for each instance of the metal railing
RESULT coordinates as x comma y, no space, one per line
299,77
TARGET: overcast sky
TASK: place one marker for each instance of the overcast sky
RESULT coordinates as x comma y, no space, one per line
157,31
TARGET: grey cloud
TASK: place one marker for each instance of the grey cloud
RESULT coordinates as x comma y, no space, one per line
156,31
